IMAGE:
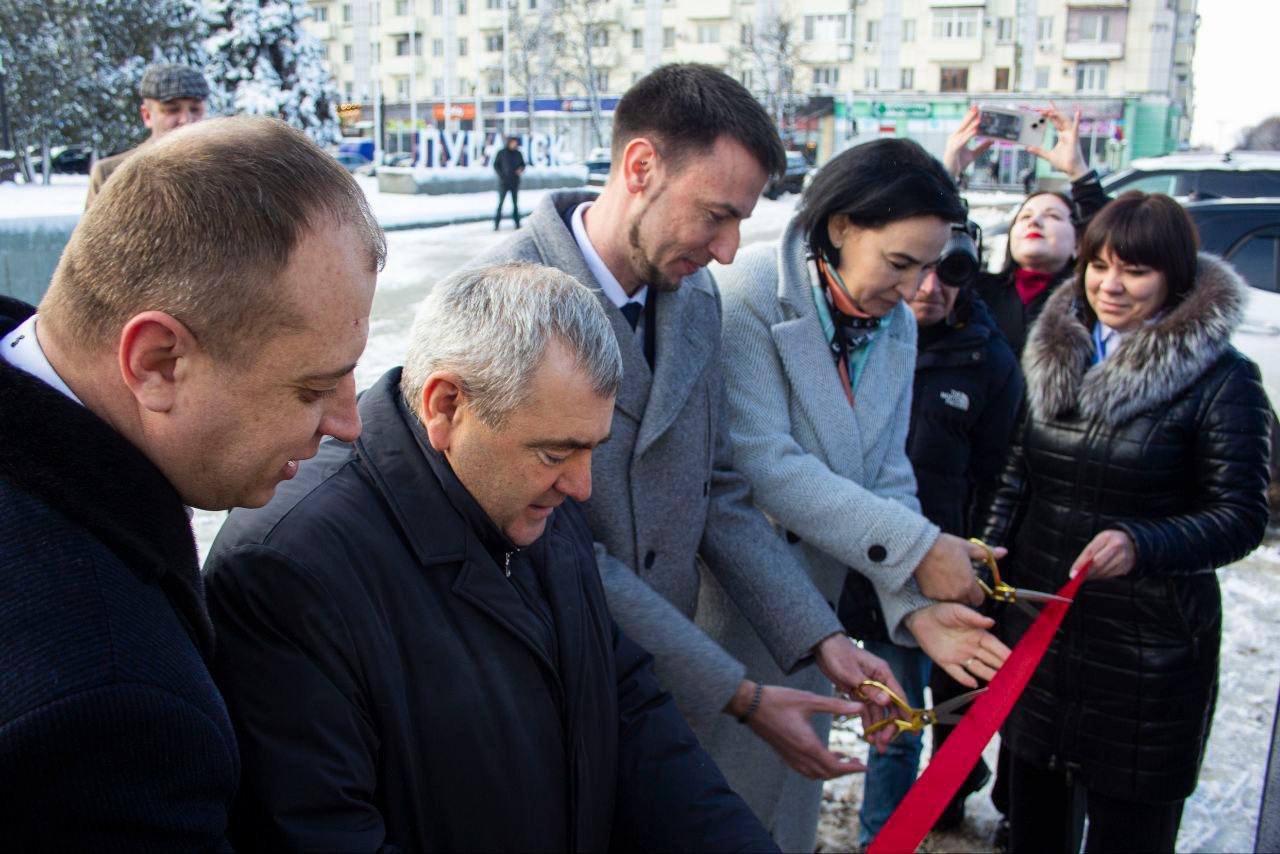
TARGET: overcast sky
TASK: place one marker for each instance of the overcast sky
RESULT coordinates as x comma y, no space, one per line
1237,69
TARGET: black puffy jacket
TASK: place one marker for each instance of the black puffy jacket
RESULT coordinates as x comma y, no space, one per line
1167,441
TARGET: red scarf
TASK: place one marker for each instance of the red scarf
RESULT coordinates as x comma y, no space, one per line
1030,284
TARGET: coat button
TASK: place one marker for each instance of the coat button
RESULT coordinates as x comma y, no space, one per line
877,553
649,558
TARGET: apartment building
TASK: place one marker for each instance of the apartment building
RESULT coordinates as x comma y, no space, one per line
835,71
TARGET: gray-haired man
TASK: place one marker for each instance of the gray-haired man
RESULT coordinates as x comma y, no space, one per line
413,637
173,96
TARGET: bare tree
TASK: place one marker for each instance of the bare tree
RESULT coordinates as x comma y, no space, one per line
587,46
766,59
1265,136
531,34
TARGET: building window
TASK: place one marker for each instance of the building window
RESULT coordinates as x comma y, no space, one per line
1044,28
748,79
346,16
825,28
437,47
1091,77
668,38
1042,77
599,36
402,88
746,35
402,7
909,30
437,87
1004,30
908,78
637,39
1092,27
437,7
495,85
708,33
871,78
600,80
320,14
873,32
402,46
954,80
348,91
955,23
462,46
346,53
377,50
462,7
1002,80
826,75
495,5
493,42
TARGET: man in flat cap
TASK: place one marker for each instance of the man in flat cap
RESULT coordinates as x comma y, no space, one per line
172,96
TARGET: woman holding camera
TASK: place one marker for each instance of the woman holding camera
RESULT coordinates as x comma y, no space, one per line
1144,457
819,357
1043,235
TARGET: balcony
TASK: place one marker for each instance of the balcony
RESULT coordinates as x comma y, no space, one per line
954,50
1089,51
397,25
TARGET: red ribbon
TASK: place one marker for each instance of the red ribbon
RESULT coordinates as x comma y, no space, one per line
949,767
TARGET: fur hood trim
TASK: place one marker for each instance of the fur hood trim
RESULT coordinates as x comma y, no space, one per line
1150,367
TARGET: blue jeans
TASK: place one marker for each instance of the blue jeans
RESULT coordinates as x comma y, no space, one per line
891,774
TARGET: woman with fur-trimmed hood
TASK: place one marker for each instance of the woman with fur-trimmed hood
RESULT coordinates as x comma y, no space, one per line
1143,453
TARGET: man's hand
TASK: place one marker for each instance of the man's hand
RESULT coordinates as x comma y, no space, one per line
946,571
848,666
1065,156
956,638
783,720
958,155
1112,553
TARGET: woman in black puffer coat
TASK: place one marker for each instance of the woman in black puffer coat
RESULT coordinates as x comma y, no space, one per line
1144,451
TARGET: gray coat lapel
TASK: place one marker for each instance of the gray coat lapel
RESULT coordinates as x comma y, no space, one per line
887,371
687,326
558,249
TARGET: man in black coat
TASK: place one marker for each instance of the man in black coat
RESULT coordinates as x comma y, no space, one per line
413,636
166,367
509,164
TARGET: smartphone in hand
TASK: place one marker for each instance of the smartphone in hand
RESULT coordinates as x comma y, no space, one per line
1021,127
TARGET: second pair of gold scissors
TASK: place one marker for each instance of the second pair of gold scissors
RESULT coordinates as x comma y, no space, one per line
1001,592
912,719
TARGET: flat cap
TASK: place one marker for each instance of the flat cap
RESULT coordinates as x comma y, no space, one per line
166,82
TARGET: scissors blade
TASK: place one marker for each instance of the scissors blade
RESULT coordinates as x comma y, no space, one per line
946,707
1038,596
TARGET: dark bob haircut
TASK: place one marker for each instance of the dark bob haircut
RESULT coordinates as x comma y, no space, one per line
684,108
874,184
1147,229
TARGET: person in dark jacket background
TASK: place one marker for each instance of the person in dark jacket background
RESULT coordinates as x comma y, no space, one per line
1143,453
1044,230
967,392
414,641
164,368
509,164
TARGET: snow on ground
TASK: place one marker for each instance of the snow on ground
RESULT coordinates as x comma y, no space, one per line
1222,814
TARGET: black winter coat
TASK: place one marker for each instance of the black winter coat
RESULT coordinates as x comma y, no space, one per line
112,734
1165,440
394,691
964,403
1000,293
507,164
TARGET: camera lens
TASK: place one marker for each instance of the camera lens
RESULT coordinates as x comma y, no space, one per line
958,265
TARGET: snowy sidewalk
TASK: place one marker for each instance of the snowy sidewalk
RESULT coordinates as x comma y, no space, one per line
395,211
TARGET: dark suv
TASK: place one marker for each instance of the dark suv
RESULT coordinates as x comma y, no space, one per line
791,180
1241,174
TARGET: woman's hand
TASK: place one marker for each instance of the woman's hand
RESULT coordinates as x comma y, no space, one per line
957,640
1112,554
1065,156
958,154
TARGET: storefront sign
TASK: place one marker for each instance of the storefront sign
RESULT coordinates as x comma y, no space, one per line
906,111
437,150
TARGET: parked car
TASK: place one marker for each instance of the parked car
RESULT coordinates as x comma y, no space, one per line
9,167
598,164
63,160
792,179
1241,174
354,163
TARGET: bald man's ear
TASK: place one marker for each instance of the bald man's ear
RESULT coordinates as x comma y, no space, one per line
442,401
154,355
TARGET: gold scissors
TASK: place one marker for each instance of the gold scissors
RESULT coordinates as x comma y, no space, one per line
1001,592
914,720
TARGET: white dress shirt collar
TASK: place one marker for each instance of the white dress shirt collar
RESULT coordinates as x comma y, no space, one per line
608,282
22,349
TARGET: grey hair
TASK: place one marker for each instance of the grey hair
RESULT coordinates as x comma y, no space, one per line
491,327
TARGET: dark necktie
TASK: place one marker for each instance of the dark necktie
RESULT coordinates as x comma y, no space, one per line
631,311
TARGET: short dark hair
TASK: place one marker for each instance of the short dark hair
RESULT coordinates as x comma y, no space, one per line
1149,229
684,108
198,225
874,184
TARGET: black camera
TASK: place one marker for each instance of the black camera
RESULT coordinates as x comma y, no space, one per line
962,256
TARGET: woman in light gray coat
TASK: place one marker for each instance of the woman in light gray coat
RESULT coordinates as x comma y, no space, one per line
819,355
